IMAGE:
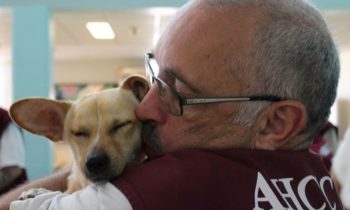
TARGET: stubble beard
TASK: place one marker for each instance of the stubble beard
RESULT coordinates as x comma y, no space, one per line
151,139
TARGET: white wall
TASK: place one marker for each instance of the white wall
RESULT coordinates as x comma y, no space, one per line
344,82
341,114
5,84
88,71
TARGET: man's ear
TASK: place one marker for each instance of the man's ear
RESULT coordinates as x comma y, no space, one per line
41,116
278,124
137,84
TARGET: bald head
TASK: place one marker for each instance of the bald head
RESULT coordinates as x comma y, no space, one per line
214,36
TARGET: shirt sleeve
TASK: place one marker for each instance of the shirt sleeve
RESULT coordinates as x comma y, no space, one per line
12,147
101,197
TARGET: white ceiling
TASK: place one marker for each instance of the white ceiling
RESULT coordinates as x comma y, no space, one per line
72,41
134,33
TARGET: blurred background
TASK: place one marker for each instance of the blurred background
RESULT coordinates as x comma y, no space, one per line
47,50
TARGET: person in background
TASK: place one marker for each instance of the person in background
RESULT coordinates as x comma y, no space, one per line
12,168
326,143
341,169
233,109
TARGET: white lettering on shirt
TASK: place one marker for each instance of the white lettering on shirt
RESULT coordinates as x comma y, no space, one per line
287,198
269,196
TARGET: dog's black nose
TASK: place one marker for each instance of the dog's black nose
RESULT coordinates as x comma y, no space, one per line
97,163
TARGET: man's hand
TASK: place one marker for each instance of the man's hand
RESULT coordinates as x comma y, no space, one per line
32,193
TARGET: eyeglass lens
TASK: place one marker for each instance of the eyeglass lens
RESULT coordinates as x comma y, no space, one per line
165,92
169,97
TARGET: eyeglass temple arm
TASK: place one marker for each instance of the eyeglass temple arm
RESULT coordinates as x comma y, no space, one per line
192,101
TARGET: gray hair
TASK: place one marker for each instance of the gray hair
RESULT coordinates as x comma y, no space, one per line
293,56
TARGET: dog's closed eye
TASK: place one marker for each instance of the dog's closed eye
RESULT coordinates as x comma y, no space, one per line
117,125
82,134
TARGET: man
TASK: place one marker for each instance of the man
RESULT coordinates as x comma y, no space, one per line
12,172
234,106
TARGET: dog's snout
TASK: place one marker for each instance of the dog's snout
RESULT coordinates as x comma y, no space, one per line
97,163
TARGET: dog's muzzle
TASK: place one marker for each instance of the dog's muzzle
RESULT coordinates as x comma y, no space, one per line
97,165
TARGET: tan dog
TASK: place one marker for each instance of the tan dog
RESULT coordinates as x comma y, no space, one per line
101,129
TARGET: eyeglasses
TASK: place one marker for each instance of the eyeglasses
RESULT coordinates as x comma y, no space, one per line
175,101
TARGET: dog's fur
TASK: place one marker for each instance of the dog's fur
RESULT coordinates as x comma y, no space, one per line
101,129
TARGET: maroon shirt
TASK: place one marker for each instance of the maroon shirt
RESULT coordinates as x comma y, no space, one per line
230,179
4,120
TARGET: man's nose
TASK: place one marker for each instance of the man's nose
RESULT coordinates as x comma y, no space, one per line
151,107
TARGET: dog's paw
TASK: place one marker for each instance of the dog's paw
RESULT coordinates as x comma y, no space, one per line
32,193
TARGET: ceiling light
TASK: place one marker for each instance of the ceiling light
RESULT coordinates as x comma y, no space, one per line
100,30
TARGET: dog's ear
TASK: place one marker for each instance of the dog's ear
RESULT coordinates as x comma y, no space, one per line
137,84
41,116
